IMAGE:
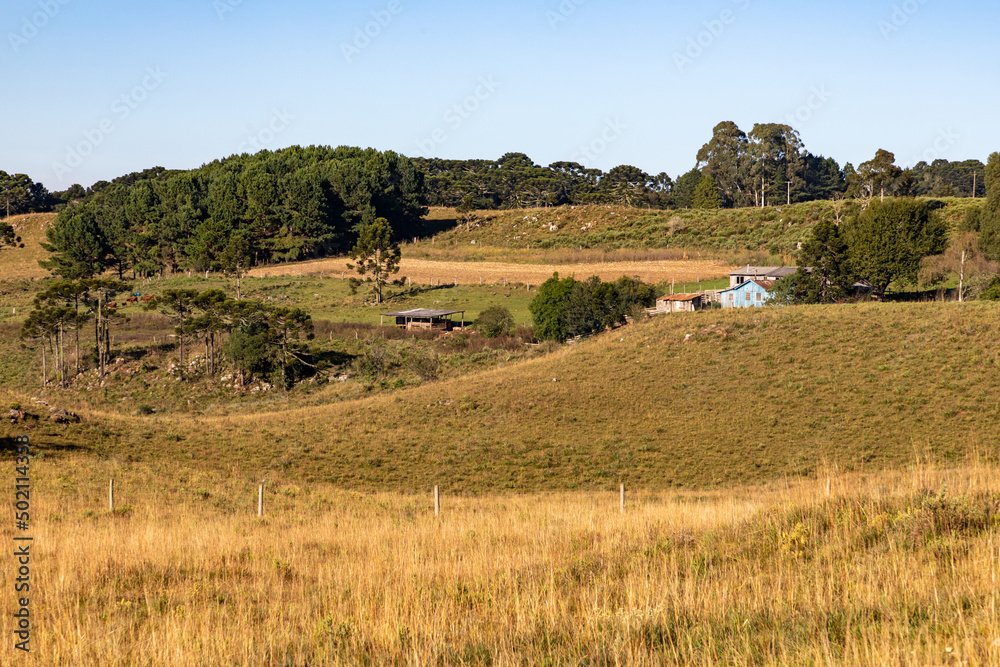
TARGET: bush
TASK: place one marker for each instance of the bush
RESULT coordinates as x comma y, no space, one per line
495,321
249,349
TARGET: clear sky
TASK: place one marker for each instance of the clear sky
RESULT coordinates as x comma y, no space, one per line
100,88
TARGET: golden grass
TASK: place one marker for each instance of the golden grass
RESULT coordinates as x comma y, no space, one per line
425,271
22,263
889,569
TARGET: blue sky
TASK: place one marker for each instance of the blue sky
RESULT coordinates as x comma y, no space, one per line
95,90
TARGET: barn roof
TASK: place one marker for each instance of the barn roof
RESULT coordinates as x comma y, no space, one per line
680,297
422,312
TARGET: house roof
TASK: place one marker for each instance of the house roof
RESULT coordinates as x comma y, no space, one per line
776,271
765,284
679,297
422,312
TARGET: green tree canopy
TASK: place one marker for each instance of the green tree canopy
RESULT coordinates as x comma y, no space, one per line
706,195
887,240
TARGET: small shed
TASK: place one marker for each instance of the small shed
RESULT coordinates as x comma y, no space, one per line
679,303
750,294
426,319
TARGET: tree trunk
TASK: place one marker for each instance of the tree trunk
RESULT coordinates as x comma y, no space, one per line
45,372
961,279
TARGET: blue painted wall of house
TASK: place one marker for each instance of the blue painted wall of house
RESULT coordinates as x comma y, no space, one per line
747,295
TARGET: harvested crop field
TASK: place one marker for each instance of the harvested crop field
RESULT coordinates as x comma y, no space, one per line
467,273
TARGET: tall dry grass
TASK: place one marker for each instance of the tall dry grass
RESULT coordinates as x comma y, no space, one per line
897,568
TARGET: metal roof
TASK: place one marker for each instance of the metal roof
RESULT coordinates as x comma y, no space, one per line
776,271
422,312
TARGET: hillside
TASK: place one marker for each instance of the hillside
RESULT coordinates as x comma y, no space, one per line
22,263
726,234
717,398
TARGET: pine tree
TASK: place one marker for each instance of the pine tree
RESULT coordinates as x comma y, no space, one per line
706,194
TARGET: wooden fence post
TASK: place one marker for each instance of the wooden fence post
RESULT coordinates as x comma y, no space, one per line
260,500
111,494
437,501
621,498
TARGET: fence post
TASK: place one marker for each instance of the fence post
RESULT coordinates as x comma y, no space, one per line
621,498
111,494
437,501
827,487
260,500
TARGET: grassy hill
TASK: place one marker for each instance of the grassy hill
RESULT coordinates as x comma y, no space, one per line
712,399
735,235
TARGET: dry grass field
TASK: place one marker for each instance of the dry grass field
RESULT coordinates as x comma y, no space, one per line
22,263
893,568
425,271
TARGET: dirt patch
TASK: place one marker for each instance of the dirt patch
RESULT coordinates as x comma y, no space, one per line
468,273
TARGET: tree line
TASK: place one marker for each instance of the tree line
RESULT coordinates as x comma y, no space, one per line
767,166
234,213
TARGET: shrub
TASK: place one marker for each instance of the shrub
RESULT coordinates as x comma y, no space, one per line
495,321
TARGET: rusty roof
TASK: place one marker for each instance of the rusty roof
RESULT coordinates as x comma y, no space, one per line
680,297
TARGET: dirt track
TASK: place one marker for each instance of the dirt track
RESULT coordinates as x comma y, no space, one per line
424,271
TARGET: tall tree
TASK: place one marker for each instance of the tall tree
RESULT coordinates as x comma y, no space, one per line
776,155
78,246
828,278
988,219
376,254
879,173
887,240
724,158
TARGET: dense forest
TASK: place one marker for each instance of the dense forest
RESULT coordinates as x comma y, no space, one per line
234,213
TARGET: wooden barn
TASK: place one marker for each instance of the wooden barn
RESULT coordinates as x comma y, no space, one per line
749,294
679,303
425,319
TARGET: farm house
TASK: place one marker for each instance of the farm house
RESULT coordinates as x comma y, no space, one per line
678,303
765,273
417,319
750,294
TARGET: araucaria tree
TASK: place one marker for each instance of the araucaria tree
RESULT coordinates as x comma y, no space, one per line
376,254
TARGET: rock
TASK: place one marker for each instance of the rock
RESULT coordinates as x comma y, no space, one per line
62,416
